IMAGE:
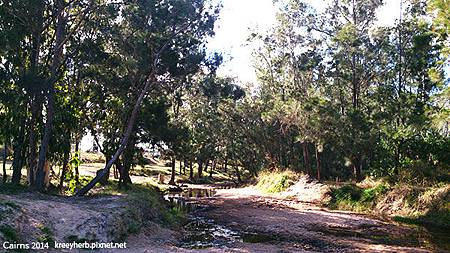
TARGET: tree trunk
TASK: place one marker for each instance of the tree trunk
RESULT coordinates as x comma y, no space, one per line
184,166
64,170
77,172
238,174
306,158
18,157
34,101
200,169
5,156
127,160
119,168
57,59
225,166
32,143
173,174
213,167
181,167
357,169
206,166
191,171
126,179
318,163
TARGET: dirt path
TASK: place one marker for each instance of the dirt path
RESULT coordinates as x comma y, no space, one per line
273,224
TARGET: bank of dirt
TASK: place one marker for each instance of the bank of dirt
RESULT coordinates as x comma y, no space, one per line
34,217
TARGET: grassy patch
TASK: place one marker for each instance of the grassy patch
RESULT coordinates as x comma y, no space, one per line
174,216
9,233
8,203
145,203
12,189
438,219
47,234
276,181
354,198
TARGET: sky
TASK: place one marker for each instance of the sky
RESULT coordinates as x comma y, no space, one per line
239,17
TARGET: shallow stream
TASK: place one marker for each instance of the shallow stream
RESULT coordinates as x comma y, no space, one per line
201,232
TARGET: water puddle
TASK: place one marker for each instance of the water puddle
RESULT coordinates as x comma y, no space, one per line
186,199
204,233
201,232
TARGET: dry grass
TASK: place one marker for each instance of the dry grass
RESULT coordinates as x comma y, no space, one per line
275,181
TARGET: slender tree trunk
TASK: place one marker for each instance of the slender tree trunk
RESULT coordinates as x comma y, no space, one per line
306,158
58,53
64,170
173,174
357,166
213,167
77,172
206,166
119,167
200,169
191,171
18,156
225,169
181,167
238,174
34,101
318,163
17,169
5,156
125,175
184,166
32,142
127,163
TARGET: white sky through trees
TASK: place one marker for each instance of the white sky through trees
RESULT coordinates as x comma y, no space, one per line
239,17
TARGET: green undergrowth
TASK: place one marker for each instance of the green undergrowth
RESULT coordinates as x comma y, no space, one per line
276,181
354,198
145,202
12,189
9,233
426,206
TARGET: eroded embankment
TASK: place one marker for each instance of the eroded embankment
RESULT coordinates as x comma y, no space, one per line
34,217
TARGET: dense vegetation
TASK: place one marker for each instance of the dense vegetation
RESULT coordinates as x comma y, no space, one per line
337,97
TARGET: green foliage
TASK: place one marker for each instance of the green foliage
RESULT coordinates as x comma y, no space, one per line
11,204
175,216
9,233
47,235
73,185
12,189
354,198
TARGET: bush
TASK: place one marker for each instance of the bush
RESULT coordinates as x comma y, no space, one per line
353,198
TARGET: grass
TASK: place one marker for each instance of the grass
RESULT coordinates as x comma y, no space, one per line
145,203
354,198
11,204
12,189
276,181
47,234
9,233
